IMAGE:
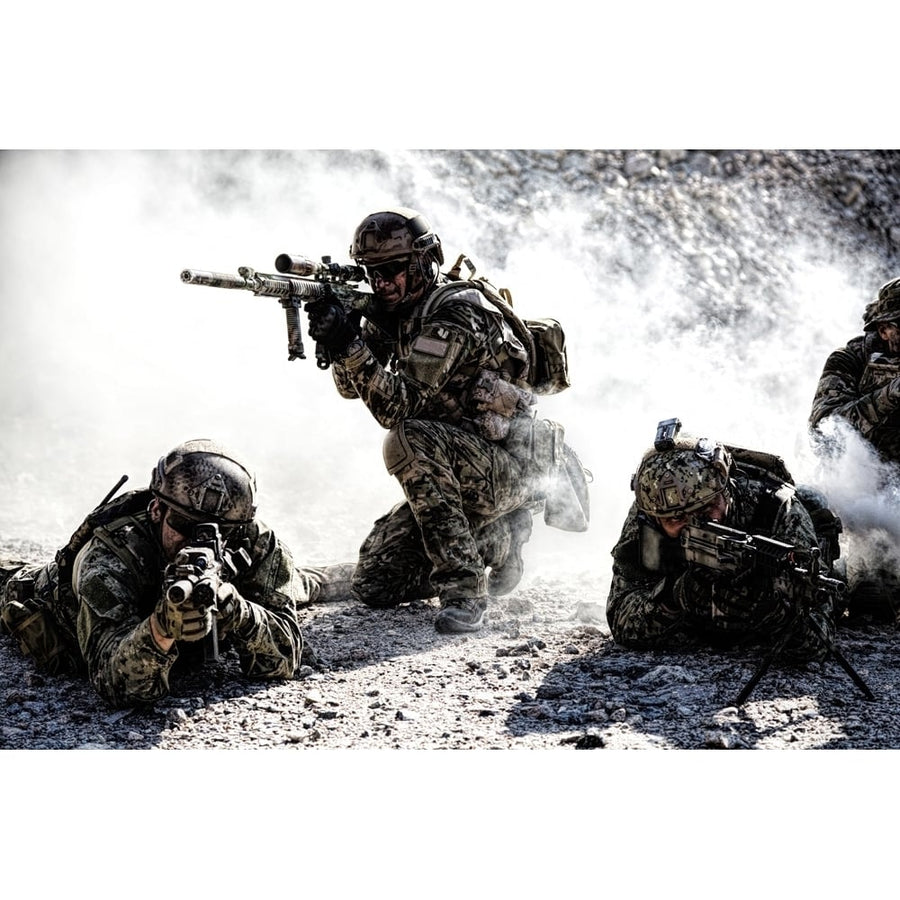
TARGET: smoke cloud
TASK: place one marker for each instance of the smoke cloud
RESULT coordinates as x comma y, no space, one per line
108,360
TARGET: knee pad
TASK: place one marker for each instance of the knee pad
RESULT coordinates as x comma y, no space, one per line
397,450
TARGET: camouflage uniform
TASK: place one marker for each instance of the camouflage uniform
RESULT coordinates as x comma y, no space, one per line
468,489
857,385
860,384
678,604
97,621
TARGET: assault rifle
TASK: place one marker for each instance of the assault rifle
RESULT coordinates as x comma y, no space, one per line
197,572
302,280
795,574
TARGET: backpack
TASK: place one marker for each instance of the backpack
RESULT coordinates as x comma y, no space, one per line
826,524
34,611
544,339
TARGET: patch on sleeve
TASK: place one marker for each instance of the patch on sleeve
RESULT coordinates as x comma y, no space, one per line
430,346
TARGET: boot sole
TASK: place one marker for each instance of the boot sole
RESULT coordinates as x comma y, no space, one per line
448,625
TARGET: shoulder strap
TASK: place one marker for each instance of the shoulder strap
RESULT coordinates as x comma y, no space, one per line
126,505
499,298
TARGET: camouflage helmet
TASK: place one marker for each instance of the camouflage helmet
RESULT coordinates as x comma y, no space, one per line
201,480
682,479
885,307
395,234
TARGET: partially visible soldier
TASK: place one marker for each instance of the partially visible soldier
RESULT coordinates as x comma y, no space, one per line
104,605
860,383
449,374
657,599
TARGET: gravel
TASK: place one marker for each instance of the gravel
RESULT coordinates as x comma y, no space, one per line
543,674
741,269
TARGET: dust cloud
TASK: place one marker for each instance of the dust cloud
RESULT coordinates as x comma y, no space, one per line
108,360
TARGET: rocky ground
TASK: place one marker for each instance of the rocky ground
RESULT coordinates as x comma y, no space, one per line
543,674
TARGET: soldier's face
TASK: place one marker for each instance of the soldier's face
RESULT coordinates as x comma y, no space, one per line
713,512
389,283
171,539
890,334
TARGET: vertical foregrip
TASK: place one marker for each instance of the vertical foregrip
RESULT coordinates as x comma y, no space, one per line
295,333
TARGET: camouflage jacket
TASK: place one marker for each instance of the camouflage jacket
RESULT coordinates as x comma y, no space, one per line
854,386
423,366
682,604
117,580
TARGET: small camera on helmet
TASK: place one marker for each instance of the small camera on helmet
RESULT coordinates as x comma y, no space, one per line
665,434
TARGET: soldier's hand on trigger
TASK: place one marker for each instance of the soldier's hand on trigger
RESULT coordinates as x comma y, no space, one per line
184,612
231,611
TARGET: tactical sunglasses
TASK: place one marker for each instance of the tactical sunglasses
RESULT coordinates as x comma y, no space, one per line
185,526
387,271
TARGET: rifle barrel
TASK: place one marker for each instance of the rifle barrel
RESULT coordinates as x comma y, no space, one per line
213,279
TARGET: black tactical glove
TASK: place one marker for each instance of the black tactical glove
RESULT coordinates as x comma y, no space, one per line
181,616
332,327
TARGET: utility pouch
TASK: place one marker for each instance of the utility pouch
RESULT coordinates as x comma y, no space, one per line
546,444
550,370
568,503
495,402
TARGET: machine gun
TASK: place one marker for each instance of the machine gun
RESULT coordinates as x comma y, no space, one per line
302,280
795,574
199,569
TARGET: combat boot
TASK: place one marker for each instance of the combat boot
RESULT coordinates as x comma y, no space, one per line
329,584
506,576
460,615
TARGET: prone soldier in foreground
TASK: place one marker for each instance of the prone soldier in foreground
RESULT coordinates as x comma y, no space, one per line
158,579
725,590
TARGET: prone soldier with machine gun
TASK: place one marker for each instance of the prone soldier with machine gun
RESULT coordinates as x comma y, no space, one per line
794,575
720,547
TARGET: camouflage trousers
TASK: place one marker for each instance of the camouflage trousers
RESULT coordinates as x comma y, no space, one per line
464,497
28,612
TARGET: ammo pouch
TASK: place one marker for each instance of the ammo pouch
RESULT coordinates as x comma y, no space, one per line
495,403
29,620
